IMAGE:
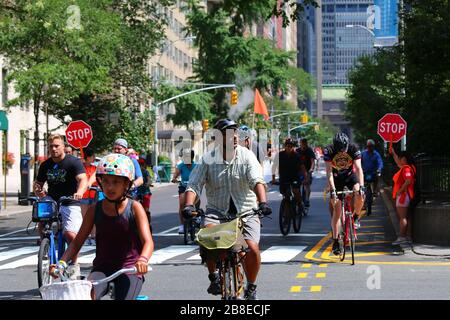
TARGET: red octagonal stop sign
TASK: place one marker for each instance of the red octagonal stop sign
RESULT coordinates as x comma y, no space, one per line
391,127
79,134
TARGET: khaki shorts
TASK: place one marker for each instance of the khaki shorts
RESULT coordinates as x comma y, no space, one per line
252,225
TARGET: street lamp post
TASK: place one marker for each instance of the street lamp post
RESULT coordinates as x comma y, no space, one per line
360,26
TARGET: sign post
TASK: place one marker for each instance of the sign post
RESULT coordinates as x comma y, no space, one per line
4,128
392,128
79,135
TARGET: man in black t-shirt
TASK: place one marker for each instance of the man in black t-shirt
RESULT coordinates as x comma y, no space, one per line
308,158
65,176
289,167
341,158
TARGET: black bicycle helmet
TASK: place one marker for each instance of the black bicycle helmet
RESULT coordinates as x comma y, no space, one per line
289,142
224,124
340,142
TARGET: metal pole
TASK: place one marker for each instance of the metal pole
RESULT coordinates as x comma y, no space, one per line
319,57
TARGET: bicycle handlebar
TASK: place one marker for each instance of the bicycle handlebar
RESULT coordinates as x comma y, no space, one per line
132,270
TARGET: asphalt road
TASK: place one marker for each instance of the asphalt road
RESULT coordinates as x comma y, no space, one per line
295,267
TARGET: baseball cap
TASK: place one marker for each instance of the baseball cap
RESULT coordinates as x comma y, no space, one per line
121,142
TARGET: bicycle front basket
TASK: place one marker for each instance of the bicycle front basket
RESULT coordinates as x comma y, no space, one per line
222,236
43,210
67,290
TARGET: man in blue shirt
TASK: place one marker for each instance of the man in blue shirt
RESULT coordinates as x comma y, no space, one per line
372,164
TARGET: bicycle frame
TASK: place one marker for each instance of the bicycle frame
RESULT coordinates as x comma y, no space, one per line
347,225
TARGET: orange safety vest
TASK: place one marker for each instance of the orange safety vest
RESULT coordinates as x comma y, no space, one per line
399,180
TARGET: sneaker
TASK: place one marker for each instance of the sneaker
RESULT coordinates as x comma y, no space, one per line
181,229
214,287
336,248
357,224
400,240
250,292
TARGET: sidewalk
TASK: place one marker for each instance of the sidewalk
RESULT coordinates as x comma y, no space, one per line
416,248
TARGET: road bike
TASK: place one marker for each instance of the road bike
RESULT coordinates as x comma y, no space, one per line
53,243
225,243
290,212
347,231
81,289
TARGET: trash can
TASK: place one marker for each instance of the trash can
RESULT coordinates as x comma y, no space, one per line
165,171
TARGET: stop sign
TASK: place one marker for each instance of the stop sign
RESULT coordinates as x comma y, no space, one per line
391,127
79,134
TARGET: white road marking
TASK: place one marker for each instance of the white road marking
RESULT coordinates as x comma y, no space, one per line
20,238
280,253
17,252
159,256
10,233
166,231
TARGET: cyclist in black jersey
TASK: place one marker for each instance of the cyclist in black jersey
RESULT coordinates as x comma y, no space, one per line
343,164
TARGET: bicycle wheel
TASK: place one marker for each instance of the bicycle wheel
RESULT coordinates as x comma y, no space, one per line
44,263
369,200
352,237
298,215
192,229
238,277
225,279
187,230
285,217
342,237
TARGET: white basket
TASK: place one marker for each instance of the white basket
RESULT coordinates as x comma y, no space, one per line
68,290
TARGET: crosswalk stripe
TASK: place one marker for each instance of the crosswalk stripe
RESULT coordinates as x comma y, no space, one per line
280,253
161,255
87,255
17,252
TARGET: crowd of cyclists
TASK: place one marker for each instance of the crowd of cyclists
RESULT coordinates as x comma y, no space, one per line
232,176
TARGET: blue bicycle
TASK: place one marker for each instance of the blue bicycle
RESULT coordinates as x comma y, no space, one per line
53,244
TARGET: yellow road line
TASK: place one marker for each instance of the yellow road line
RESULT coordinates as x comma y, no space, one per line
296,289
367,227
321,275
316,288
371,242
306,265
323,265
302,275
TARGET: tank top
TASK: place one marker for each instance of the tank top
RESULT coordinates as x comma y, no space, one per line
117,241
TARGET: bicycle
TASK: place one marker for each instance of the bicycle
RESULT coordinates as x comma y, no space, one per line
53,243
289,211
225,241
369,179
347,231
81,289
192,224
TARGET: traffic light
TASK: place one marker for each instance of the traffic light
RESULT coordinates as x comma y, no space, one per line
234,97
205,125
304,118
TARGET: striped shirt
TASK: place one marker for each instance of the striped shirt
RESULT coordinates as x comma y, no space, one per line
222,179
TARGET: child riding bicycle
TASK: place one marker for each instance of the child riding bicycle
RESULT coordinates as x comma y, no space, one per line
122,231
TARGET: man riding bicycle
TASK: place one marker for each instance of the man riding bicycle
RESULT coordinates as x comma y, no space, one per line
290,169
183,169
340,158
234,183
372,165
308,158
65,176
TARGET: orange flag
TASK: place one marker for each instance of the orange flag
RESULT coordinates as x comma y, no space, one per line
260,105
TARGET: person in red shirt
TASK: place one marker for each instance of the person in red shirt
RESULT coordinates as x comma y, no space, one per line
403,191
89,196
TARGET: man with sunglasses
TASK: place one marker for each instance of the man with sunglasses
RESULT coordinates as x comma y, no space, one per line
343,166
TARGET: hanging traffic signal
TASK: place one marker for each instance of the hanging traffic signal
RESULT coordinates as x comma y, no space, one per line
304,118
234,97
205,125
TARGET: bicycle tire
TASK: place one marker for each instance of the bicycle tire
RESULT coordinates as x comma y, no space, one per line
341,237
225,279
186,233
351,229
44,263
238,278
192,229
369,200
298,216
284,217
